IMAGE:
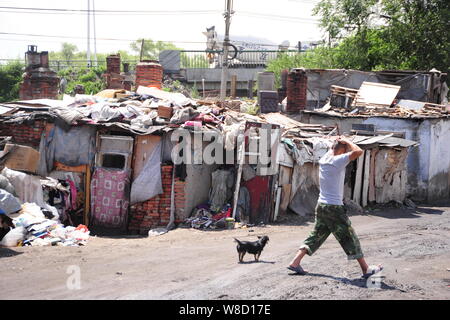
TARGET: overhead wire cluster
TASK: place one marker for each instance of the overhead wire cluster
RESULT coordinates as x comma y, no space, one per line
59,11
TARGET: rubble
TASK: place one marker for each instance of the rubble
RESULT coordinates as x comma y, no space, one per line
366,102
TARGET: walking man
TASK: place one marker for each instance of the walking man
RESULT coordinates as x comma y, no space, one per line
330,211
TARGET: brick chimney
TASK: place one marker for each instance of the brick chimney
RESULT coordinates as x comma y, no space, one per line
39,82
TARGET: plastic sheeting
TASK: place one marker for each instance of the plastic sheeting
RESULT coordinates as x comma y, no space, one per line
8,203
177,99
73,147
69,115
29,189
305,189
104,111
221,189
148,183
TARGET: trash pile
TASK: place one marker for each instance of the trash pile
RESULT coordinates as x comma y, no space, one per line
33,228
36,222
376,99
204,218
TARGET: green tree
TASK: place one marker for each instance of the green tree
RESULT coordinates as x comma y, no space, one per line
10,79
90,78
397,34
151,49
68,50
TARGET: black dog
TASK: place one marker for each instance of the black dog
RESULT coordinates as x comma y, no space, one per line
253,247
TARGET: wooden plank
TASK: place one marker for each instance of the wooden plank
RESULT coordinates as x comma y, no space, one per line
277,203
285,175
285,197
250,89
87,196
366,178
358,180
144,146
62,167
371,194
241,157
233,86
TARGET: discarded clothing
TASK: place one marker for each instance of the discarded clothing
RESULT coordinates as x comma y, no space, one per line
69,115
33,229
182,115
6,185
175,98
221,184
29,189
243,207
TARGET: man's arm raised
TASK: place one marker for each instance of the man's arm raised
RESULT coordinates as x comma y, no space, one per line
355,151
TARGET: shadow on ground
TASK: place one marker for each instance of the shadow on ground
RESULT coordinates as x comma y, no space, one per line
253,261
396,213
358,282
6,252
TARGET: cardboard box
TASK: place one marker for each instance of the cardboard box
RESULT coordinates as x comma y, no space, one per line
165,112
22,158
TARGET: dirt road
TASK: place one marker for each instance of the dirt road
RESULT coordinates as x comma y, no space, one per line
413,245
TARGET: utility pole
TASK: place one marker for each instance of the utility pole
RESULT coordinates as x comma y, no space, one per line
95,34
226,42
89,34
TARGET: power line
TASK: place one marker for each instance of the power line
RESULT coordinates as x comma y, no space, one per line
147,12
277,17
122,12
84,38
126,40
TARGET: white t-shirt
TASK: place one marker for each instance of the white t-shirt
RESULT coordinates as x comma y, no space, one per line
332,176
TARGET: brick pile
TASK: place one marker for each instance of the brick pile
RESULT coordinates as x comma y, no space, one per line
297,82
156,211
149,73
25,134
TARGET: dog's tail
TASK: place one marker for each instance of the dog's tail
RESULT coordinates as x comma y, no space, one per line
237,240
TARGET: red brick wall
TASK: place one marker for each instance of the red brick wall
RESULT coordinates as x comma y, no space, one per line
45,88
156,211
149,74
297,82
28,134
113,63
112,76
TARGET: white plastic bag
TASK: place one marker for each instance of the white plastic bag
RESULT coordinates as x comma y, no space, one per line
12,238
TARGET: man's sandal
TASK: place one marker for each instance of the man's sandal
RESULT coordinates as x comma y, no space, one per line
372,270
298,270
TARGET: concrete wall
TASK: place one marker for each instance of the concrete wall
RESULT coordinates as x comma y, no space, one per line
428,165
439,172
212,77
198,183
418,161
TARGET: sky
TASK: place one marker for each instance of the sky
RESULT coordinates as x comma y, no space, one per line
179,21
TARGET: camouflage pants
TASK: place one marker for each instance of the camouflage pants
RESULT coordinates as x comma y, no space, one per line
333,219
